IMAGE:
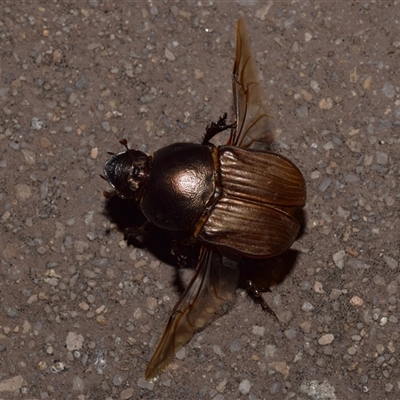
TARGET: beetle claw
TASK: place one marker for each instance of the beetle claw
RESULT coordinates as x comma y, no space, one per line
215,128
256,294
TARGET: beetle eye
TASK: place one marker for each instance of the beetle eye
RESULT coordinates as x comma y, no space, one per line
135,178
136,173
133,184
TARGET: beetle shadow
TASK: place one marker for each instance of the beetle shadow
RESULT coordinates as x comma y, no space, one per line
268,272
126,215
264,273
300,216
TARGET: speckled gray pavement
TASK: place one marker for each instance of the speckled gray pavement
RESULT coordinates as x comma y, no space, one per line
81,310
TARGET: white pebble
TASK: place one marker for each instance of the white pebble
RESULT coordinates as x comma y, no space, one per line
245,386
74,341
169,55
258,330
326,339
388,90
338,258
22,191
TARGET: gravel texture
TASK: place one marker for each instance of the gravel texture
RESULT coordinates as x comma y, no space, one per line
81,310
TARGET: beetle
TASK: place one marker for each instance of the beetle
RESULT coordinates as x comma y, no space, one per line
238,201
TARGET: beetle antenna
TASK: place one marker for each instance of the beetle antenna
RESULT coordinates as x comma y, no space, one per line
124,142
107,195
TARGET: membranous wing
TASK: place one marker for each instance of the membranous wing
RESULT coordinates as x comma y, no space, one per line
253,124
278,182
211,288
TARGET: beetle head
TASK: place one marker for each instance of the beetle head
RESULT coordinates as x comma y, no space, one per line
127,172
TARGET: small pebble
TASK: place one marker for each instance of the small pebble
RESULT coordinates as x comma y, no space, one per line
275,388
221,386
338,258
94,152
307,306
305,326
258,330
270,351
326,103
142,383
315,86
302,111
307,96
217,350
307,36
44,142
151,304
356,301
169,55
319,287
11,311
22,191
29,156
117,380
351,178
391,262
12,385
367,84
290,334
74,341
181,354
319,391
57,55
328,145
353,145
352,351
381,158
388,90
379,280
235,346
198,74
245,386
81,83
282,367
127,393
393,288
78,384
326,339
325,184
106,126
315,175
37,124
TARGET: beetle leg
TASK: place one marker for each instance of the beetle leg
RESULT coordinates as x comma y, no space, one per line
183,252
256,294
215,128
179,253
137,233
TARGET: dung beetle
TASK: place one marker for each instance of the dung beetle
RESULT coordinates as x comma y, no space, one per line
238,201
